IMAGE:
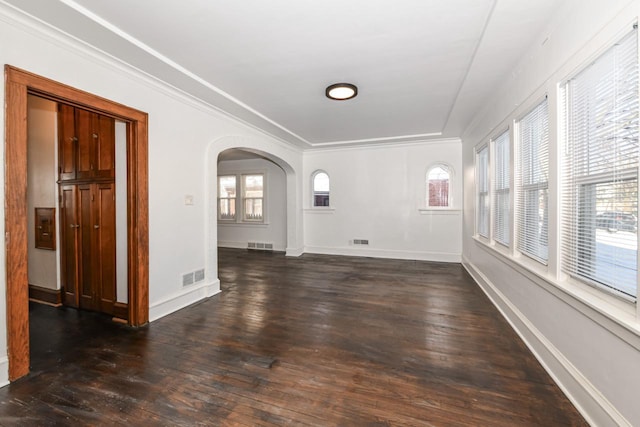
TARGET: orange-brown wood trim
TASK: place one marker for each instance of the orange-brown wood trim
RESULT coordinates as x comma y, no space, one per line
15,223
19,83
45,295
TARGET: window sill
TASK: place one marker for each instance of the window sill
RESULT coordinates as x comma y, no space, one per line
242,224
320,210
614,314
439,211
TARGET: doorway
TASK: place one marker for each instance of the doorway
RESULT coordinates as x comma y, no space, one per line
19,84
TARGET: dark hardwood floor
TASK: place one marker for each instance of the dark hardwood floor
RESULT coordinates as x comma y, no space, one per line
315,340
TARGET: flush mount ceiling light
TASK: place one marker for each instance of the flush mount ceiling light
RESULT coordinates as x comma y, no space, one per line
341,91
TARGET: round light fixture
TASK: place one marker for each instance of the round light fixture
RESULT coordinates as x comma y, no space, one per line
341,91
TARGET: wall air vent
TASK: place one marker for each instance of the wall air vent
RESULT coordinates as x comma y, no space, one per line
360,241
192,278
187,279
260,246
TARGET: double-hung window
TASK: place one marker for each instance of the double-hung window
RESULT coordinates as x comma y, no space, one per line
241,198
501,223
600,180
227,197
532,194
482,189
253,197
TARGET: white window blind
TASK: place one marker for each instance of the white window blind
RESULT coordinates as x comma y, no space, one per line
532,194
482,170
501,223
600,180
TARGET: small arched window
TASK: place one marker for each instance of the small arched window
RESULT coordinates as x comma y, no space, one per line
438,185
320,183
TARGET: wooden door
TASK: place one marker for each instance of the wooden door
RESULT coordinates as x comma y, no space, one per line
68,244
86,144
66,142
104,230
104,154
85,151
85,252
88,242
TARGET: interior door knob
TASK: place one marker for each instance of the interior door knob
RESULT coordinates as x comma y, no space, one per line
96,226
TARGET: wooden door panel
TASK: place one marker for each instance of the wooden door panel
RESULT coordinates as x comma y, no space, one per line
105,156
85,247
85,146
66,142
68,234
105,256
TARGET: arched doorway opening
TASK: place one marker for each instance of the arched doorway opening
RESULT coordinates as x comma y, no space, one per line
254,152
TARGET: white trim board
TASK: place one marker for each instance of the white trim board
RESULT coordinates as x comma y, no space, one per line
243,245
385,253
4,371
182,299
587,399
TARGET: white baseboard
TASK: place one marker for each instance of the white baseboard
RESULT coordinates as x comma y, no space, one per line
294,252
243,245
232,245
182,299
385,253
4,371
593,406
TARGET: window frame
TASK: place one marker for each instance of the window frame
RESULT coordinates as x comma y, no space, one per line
486,194
235,199
240,199
525,191
313,190
244,198
504,191
451,174
583,268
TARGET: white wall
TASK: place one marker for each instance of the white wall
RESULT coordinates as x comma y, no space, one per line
274,228
185,138
41,187
122,280
377,194
588,341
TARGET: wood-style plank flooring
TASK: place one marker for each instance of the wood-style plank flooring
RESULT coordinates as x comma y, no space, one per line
316,340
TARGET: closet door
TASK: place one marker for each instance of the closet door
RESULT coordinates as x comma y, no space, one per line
104,129
69,226
67,141
85,253
85,150
104,227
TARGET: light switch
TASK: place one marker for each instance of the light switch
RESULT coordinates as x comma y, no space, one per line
188,200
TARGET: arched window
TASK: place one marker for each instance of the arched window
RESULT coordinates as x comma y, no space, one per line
438,184
320,183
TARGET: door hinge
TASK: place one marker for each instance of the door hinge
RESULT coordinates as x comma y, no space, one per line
6,238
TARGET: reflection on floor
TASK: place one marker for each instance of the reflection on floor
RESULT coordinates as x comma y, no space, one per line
316,340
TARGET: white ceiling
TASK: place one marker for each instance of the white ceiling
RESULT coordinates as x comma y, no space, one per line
423,67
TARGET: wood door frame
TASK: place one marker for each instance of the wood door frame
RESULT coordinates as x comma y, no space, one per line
19,84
